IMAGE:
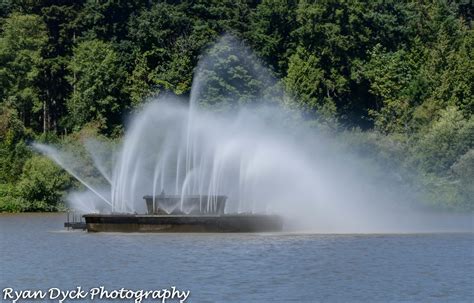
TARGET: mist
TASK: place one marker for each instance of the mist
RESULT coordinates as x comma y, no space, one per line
237,135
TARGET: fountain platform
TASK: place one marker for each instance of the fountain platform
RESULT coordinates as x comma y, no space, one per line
198,218
182,223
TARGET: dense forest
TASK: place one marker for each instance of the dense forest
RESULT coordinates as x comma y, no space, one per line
393,79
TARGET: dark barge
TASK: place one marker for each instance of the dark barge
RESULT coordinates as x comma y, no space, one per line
198,218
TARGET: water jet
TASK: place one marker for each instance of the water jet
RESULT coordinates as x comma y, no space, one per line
232,165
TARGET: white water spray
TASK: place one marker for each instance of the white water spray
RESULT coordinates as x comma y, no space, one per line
249,151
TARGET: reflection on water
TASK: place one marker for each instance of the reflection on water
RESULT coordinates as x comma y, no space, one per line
35,252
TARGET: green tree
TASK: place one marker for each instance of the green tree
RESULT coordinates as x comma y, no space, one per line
221,16
9,199
139,81
61,22
396,85
449,71
22,44
447,139
231,76
305,80
163,51
97,78
107,20
42,185
272,23
159,26
13,149
339,34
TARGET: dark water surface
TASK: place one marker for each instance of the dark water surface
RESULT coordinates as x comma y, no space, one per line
36,253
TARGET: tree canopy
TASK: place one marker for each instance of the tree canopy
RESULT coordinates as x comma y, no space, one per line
396,71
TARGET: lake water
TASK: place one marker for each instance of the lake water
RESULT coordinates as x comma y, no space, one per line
37,253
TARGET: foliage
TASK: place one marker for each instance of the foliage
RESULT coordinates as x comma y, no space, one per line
97,79
396,76
272,25
231,77
13,149
448,138
392,76
22,43
305,79
9,200
42,185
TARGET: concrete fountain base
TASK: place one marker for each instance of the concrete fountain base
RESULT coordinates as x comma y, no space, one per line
182,223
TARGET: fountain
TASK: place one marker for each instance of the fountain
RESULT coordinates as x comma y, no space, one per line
180,149
233,156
